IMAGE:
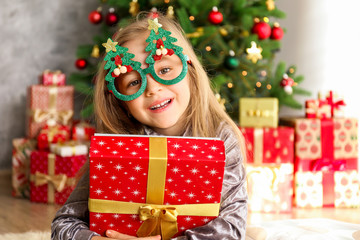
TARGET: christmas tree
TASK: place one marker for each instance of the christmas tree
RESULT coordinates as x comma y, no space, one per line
236,40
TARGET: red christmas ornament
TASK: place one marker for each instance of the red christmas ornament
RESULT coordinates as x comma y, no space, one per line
277,32
95,16
215,17
262,29
287,83
153,13
111,18
81,63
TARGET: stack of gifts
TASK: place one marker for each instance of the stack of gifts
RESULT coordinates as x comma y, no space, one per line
154,185
46,161
269,165
326,156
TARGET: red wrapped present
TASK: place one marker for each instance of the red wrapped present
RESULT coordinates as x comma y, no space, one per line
323,149
135,180
52,78
48,105
22,149
269,145
82,131
52,177
52,134
317,109
270,168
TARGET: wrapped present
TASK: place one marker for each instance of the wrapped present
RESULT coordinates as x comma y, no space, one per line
323,149
52,134
52,78
82,131
69,148
22,149
270,187
141,185
259,112
52,177
269,145
48,105
317,109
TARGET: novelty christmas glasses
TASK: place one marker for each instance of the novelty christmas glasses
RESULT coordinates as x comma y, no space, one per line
167,64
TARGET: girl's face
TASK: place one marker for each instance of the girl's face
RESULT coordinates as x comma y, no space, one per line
161,107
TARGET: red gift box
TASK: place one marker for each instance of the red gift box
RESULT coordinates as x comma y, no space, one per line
82,131
269,145
52,134
52,177
323,147
48,105
22,149
54,78
154,177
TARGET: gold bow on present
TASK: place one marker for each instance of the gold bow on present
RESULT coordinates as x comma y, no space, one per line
52,116
58,181
158,221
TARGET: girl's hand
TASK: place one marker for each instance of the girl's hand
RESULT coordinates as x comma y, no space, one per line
111,234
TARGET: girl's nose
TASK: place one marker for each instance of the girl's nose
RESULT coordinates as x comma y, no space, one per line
152,86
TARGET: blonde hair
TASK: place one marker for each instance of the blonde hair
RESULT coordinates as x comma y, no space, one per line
204,114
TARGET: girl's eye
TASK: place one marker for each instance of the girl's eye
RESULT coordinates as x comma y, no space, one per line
134,83
165,70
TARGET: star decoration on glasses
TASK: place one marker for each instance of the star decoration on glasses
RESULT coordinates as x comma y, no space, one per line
154,25
110,45
254,53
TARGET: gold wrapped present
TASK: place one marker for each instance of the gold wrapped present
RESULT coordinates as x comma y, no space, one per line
259,112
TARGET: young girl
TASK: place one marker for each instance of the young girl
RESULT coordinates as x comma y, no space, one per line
162,92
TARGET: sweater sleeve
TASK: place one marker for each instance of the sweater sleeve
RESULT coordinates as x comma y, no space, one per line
72,219
231,222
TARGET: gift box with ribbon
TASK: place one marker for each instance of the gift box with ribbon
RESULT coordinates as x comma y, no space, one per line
53,177
259,112
329,106
82,131
48,105
52,134
52,78
270,168
144,186
69,148
22,148
324,149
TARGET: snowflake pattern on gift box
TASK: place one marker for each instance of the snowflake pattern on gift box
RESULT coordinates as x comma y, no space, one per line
119,171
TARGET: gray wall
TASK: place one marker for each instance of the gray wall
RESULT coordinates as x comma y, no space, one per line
36,35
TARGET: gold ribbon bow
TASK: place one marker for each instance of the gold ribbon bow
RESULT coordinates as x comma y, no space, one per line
158,221
58,181
52,116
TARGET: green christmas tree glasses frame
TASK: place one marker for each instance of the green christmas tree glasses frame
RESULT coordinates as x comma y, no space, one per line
118,61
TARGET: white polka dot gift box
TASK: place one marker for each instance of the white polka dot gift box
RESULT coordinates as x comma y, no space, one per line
52,177
326,149
139,183
270,168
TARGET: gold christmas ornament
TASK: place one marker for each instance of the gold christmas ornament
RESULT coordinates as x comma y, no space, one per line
223,32
95,53
199,32
254,53
170,12
134,8
270,4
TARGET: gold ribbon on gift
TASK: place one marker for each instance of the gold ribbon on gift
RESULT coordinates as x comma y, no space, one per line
258,145
110,206
54,182
259,113
52,115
